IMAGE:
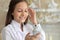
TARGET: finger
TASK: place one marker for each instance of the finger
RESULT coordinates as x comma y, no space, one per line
31,10
28,34
37,35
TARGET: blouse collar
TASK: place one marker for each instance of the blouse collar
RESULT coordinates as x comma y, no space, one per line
16,23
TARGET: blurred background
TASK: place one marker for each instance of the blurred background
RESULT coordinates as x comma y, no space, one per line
48,15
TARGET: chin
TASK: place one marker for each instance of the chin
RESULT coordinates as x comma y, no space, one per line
22,21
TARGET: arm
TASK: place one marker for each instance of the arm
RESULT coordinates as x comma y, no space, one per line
38,29
32,17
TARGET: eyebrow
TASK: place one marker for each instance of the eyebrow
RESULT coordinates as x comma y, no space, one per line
21,9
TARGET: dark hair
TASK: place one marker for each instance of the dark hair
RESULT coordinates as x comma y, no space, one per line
9,16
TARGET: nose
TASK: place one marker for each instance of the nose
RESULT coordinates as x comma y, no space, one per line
23,13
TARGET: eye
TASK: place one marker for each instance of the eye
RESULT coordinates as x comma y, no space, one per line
19,10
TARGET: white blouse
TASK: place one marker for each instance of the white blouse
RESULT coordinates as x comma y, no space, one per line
13,31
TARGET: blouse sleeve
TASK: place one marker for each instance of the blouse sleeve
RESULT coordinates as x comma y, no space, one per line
6,35
38,29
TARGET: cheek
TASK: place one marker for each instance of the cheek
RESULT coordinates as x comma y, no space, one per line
17,14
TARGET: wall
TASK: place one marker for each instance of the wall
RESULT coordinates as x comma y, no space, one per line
52,29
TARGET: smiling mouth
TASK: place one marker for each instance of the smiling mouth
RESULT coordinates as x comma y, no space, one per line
22,17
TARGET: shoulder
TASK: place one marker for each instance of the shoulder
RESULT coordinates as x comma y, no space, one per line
7,28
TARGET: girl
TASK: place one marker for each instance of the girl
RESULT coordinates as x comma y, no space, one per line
16,24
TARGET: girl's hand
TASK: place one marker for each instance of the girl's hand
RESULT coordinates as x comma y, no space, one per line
27,36
32,16
32,37
35,37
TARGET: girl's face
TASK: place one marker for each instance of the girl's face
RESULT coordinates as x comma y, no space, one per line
20,12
